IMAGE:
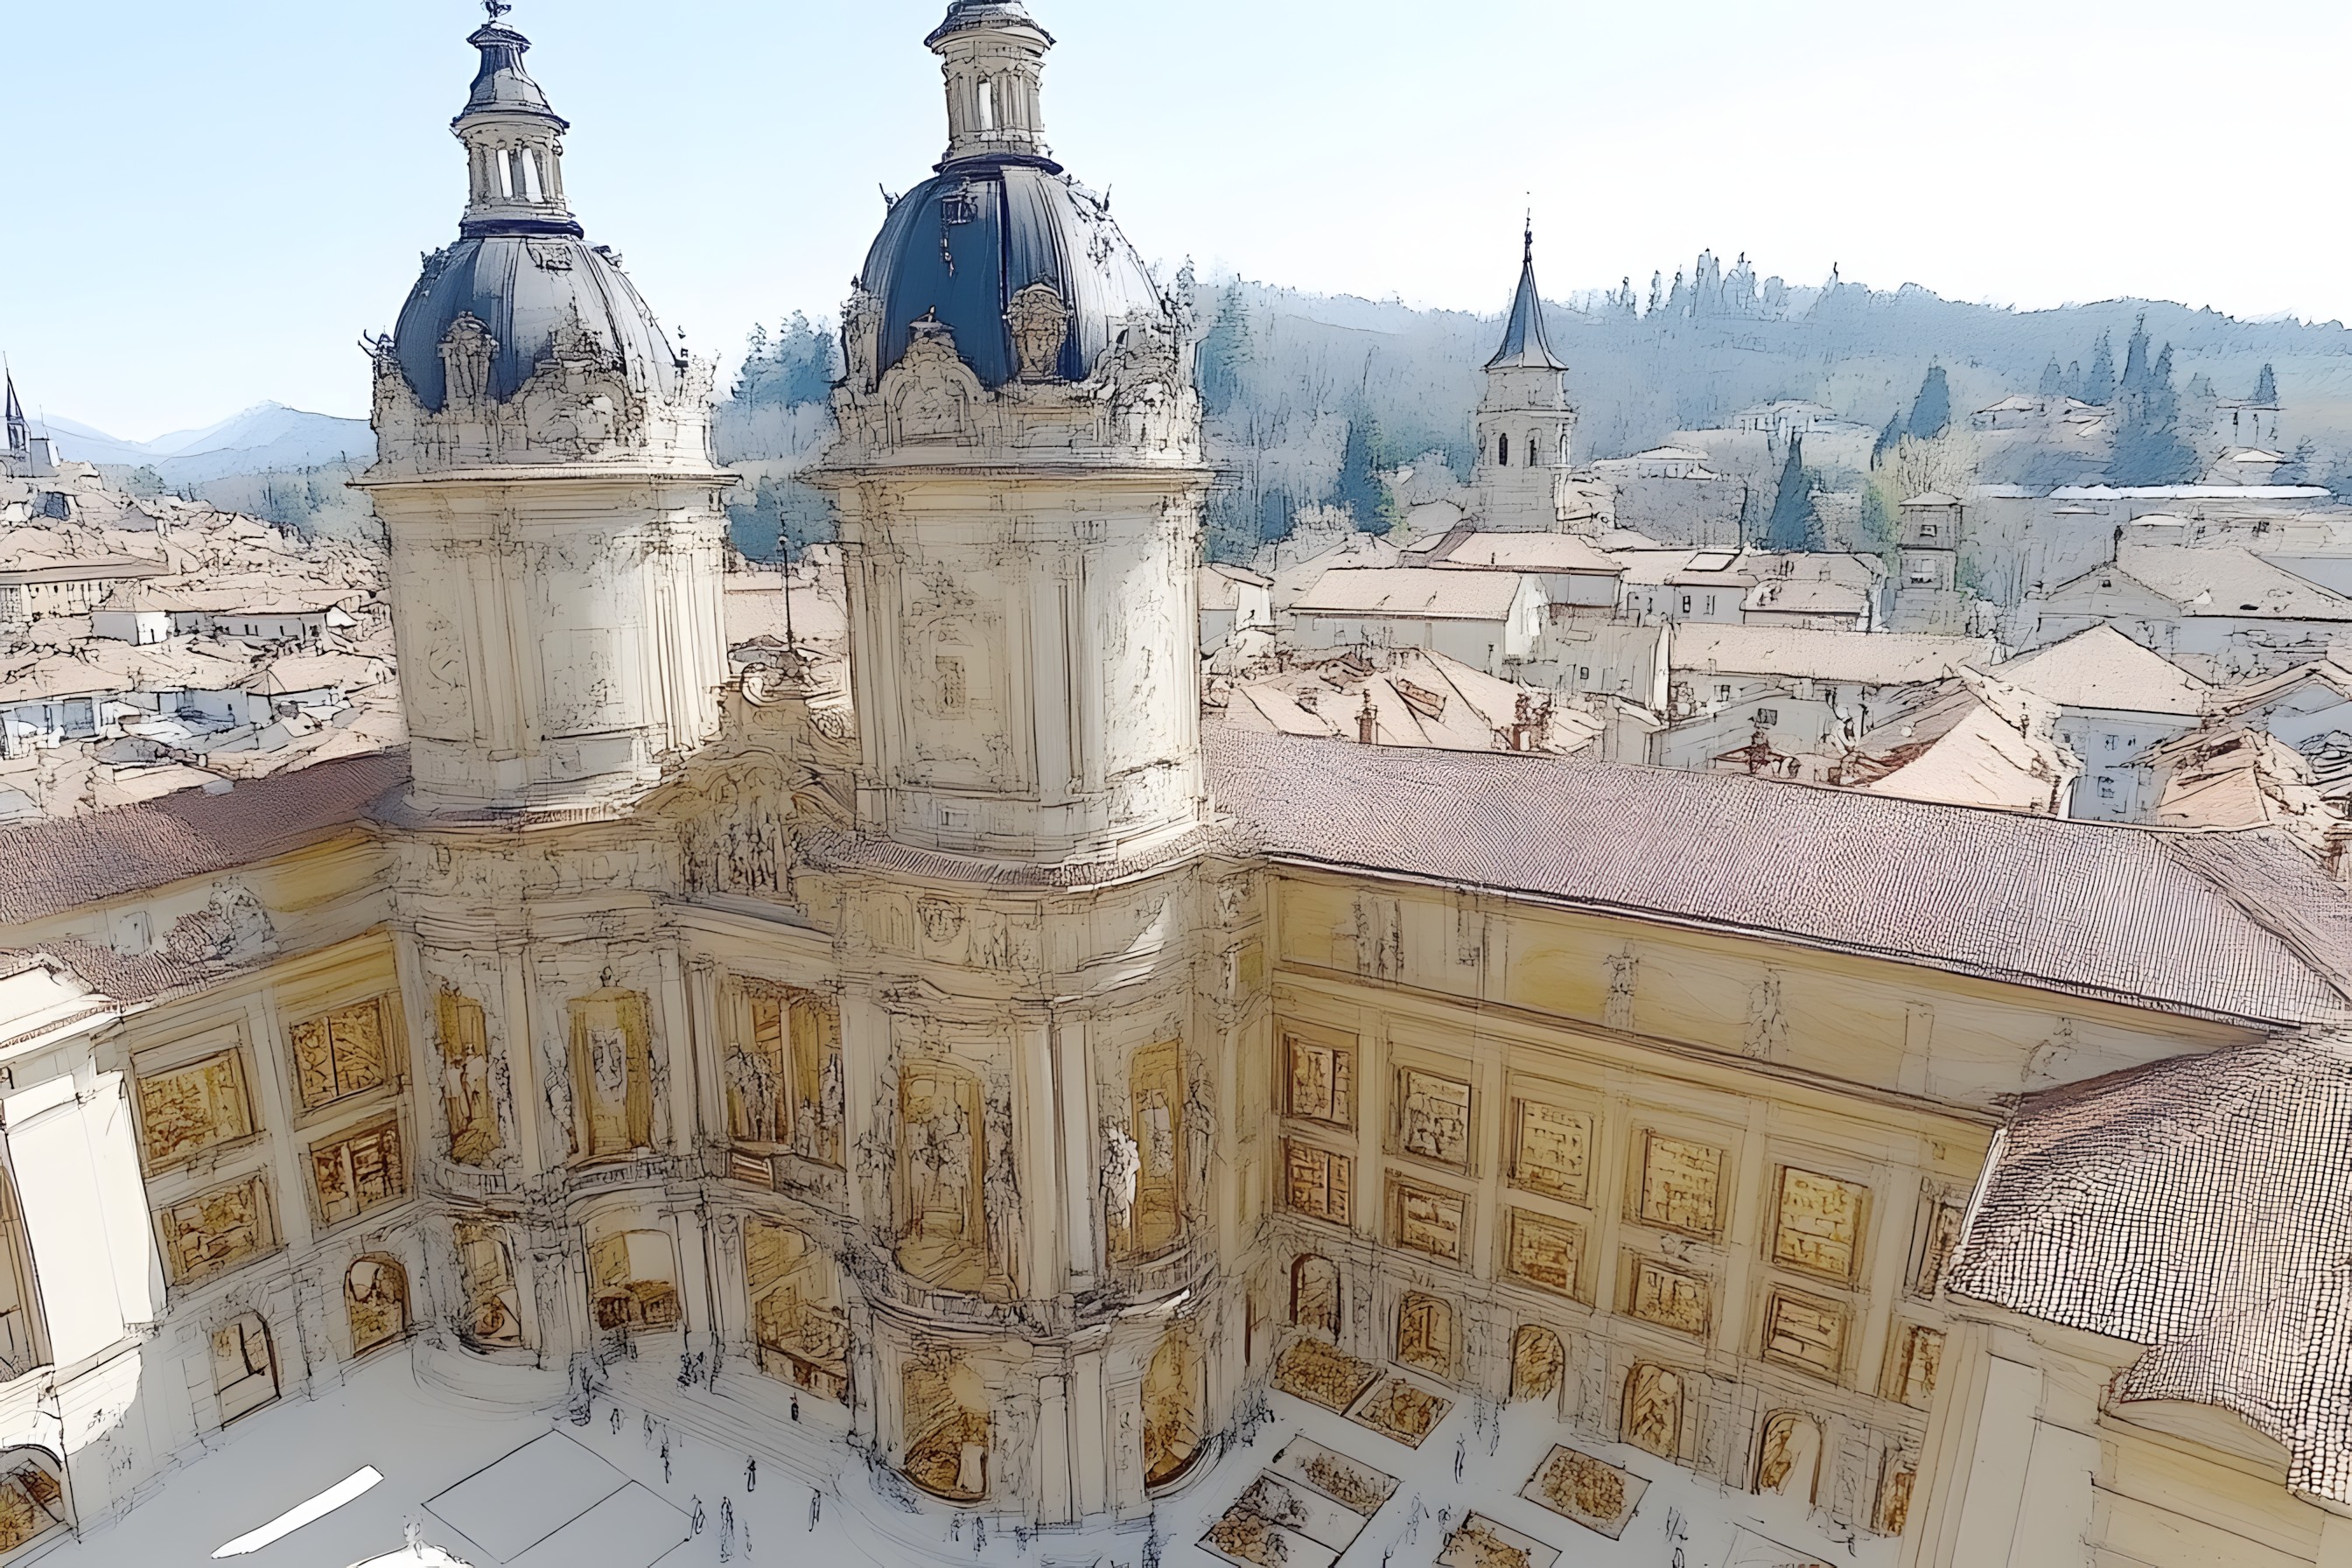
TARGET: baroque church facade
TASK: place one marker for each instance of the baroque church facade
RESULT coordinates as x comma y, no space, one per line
1012,1084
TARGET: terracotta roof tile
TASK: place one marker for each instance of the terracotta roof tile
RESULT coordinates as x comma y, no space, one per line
49,867
2236,925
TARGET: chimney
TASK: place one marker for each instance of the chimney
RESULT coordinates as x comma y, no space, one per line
1368,723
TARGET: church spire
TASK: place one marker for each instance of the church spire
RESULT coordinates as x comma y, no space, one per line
993,55
20,432
1525,344
514,141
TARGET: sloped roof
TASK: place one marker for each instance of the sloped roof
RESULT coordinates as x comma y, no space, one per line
2241,925
2201,1208
1413,592
1961,751
1844,659
49,867
1558,554
1221,586
2225,580
2101,668
1526,346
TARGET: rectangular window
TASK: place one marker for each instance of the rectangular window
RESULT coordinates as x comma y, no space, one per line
341,1053
1317,1183
1546,1253
1321,1079
1428,1220
359,1170
1687,604
185,1110
2106,787
1818,1223
210,1234
1723,692
1767,716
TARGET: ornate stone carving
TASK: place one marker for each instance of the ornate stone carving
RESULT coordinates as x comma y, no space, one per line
1040,320
467,350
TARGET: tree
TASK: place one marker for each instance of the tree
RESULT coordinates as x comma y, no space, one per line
1791,525
1361,490
2053,379
1931,411
2266,389
798,366
2099,386
1887,438
1224,353
2148,447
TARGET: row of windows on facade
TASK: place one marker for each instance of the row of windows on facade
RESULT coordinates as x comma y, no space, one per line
1529,453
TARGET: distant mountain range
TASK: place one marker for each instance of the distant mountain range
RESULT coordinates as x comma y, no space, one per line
268,435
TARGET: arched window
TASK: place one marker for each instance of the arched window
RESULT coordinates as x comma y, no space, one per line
1534,448
534,176
32,1498
1502,451
1654,1410
944,1416
1425,1336
245,1366
634,1277
1315,1295
987,103
1175,1407
375,1301
1537,1362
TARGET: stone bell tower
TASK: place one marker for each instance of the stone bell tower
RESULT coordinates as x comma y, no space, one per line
1030,1019
1525,428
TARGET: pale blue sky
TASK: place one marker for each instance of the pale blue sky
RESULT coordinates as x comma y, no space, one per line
212,201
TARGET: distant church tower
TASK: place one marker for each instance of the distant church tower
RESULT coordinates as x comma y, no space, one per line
544,472
1525,428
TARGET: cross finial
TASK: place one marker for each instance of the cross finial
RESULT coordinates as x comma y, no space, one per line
1530,254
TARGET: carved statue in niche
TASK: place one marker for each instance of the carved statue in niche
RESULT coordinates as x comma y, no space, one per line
1200,1147
462,1035
613,1071
558,1078
1155,1097
942,1227
1768,1026
1379,938
1001,1192
1121,1165
861,330
1624,970
1041,329
1426,1332
375,1302
467,350
1175,1406
1537,1363
1789,1460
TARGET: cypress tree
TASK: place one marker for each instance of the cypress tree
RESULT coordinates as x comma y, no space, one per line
2053,379
2148,447
2266,388
1361,490
1223,353
2099,386
1931,411
1791,524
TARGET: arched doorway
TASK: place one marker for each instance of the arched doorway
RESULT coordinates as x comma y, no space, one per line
375,1301
32,1498
1315,1295
1654,1410
1789,1460
946,1413
245,1366
1537,1363
633,1275
1175,1407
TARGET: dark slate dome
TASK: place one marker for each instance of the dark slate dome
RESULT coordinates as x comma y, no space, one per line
963,243
523,287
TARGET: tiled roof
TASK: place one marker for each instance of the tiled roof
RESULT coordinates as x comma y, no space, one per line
2100,667
1859,658
1416,592
49,867
2235,925
2201,1208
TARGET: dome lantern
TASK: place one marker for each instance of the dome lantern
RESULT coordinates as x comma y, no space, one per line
992,54
514,142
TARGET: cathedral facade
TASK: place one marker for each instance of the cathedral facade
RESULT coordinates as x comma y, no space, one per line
1012,1086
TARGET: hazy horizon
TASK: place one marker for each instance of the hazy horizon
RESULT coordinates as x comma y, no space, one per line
226,200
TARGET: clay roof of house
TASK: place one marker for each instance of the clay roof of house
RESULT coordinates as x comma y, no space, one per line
2224,579
2201,1208
1552,552
2241,925
49,867
1846,659
1221,584
2101,668
1413,592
